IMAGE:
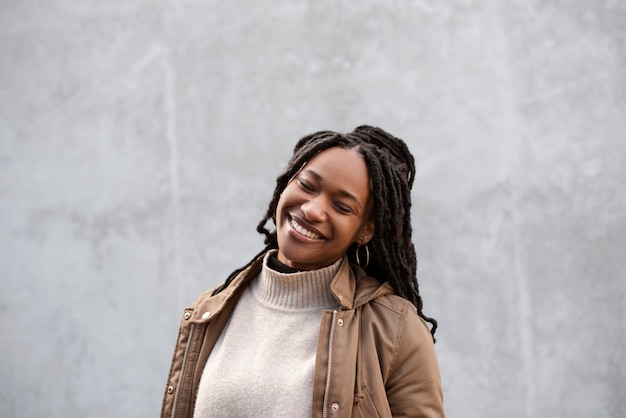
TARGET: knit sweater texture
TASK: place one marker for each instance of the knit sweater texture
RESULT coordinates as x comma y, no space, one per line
263,362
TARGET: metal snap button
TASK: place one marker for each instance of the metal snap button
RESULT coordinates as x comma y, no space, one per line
335,407
170,390
187,315
206,315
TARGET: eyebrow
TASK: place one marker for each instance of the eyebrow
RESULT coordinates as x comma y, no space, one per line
342,192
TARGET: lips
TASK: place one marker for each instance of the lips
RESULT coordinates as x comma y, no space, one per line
303,230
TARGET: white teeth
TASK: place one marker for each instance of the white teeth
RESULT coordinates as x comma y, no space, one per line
304,231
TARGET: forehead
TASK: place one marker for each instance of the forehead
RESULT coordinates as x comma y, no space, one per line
343,168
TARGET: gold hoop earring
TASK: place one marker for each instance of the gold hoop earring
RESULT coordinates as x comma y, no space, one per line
367,256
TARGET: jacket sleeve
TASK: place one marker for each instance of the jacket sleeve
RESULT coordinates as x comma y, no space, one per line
414,383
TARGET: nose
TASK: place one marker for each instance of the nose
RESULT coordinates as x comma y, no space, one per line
314,209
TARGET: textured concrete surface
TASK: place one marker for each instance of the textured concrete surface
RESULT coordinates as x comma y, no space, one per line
139,142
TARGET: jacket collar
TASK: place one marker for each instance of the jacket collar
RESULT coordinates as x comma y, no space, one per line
208,305
352,287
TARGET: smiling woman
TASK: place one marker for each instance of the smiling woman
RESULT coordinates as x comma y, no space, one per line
324,209
327,318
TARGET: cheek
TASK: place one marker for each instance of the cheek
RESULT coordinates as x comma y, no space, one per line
283,201
289,196
351,231
279,210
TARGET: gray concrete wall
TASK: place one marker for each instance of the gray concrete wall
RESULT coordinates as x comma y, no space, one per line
139,142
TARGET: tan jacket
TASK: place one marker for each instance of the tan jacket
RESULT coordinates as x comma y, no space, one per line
377,358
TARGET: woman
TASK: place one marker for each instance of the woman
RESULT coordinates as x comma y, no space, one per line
326,320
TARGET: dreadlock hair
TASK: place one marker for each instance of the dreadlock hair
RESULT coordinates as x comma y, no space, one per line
391,169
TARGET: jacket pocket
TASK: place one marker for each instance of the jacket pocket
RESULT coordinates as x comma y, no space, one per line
365,407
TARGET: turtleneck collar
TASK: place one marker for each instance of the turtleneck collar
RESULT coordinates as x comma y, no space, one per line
300,290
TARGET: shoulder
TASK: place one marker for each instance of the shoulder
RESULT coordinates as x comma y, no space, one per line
214,299
394,304
399,315
206,295
392,314
380,295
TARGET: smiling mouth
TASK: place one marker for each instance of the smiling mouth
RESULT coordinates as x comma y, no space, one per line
303,231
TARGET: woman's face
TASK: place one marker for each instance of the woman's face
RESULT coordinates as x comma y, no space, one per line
324,209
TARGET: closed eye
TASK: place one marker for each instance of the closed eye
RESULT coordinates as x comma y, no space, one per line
344,208
306,186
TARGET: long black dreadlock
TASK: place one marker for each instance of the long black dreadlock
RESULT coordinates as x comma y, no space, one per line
391,168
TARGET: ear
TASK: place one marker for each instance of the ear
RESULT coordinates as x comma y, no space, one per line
367,233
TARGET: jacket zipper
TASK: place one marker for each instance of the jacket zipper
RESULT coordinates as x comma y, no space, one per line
330,362
182,370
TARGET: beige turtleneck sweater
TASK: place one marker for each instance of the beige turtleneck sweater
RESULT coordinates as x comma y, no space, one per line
263,362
